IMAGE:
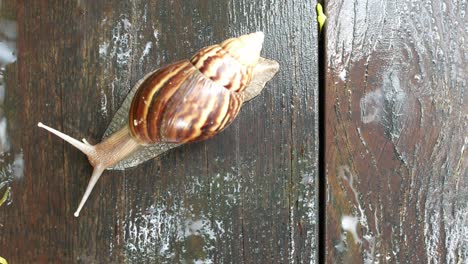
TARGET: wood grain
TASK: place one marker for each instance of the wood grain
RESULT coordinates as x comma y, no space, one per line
396,122
246,196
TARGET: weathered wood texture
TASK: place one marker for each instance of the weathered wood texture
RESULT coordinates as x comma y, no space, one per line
396,132
248,195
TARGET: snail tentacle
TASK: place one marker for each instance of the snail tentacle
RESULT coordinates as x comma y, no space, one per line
101,156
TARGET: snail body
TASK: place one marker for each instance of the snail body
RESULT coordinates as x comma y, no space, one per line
187,101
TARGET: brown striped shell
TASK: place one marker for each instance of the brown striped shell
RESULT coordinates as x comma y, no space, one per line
194,100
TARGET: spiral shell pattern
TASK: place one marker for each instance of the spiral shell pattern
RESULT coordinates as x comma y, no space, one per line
194,100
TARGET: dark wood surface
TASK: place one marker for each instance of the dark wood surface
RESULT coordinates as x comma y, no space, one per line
396,132
245,196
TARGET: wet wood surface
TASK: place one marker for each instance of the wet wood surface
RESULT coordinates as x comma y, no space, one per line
396,132
245,196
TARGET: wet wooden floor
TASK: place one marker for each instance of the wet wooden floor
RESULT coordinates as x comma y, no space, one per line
396,132
395,186
247,195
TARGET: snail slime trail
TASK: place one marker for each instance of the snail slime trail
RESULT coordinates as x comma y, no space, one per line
187,101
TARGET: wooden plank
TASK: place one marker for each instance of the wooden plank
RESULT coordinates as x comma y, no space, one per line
245,196
396,132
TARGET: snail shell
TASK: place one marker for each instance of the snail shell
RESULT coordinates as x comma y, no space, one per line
194,100
263,72
186,101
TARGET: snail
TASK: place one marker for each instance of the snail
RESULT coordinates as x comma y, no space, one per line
187,101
